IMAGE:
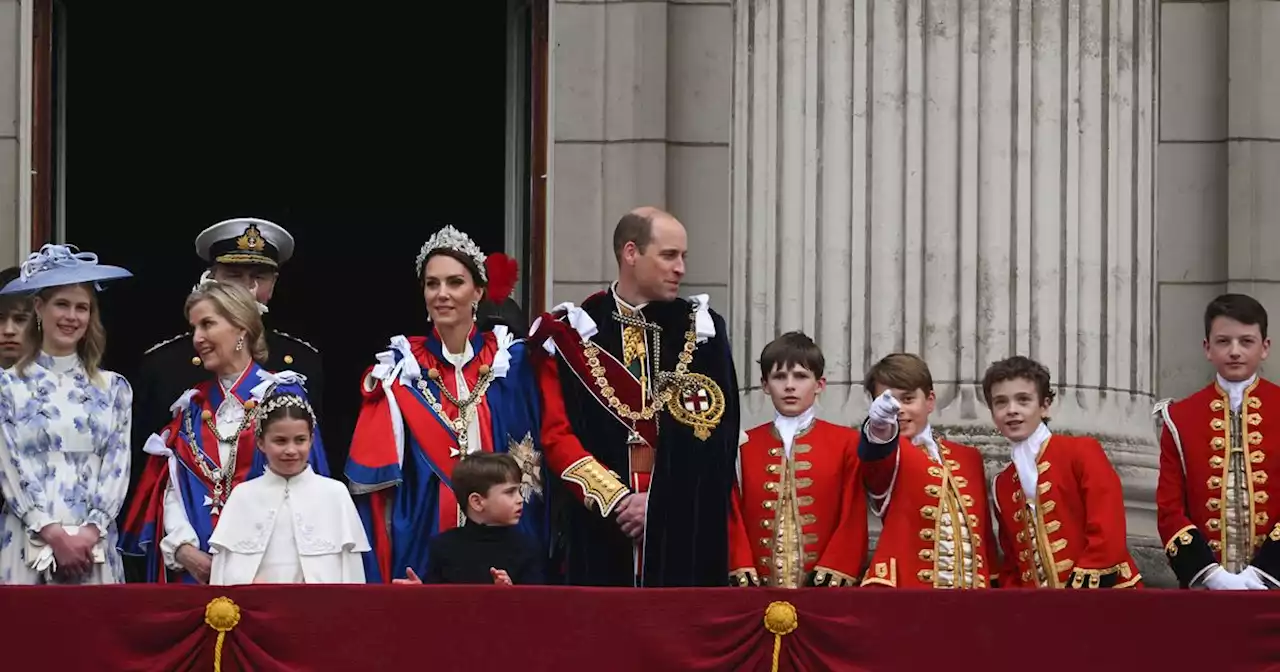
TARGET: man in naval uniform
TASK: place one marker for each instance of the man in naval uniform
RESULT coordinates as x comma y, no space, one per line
247,252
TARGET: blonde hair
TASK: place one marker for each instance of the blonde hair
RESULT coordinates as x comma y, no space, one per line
236,305
91,347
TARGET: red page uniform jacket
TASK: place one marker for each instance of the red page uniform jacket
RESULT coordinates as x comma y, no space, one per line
1070,532
1214,502
799,519
937,526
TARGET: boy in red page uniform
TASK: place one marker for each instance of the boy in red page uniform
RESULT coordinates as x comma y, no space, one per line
1215,509
931,494
798,516
1059,504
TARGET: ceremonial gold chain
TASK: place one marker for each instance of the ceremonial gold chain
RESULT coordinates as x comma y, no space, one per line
466,407
222,477
592,353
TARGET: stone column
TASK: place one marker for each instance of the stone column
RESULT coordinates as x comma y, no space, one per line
962,180
15,51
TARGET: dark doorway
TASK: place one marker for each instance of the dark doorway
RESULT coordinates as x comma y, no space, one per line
360,128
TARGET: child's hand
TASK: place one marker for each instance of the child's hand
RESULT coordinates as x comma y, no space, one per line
410,579
500,577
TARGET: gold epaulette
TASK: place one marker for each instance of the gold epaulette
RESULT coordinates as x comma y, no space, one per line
165,342
277,332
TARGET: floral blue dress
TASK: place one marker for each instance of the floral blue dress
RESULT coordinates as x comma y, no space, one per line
64,458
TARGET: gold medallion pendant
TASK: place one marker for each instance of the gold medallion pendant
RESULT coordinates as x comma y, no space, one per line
697,402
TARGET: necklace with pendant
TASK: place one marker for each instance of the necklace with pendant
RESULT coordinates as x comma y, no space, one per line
467,406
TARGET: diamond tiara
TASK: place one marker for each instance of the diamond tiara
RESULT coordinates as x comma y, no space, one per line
280,401
450,238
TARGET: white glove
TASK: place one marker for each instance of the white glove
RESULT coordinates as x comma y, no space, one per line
884,410
1251,579
1221,579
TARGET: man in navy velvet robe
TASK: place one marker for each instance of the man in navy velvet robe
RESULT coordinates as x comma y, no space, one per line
640,420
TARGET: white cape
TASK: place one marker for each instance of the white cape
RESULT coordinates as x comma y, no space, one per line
328,539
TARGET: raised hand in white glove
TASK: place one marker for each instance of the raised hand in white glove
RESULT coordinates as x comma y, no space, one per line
1221,579
884,410
1252,580
882,419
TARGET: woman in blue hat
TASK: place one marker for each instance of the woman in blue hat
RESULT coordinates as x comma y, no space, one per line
64,430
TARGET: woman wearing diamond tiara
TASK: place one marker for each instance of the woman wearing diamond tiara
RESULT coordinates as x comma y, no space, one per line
209,447
431,401
64,430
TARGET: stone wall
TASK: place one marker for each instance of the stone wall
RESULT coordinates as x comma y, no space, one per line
11,46
641,100
1219,165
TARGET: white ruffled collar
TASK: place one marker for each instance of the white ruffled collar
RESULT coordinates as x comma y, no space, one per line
397,361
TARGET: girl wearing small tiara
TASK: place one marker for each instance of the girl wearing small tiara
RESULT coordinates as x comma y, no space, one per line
208,449
291,525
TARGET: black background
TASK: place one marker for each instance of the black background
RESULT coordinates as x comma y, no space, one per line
359,129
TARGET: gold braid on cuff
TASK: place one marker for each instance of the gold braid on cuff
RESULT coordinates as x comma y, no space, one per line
600,487
830,578
1092,578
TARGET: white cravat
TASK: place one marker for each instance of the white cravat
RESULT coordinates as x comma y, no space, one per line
459,361
1235,391
229,415
1024,454
789,426
925,438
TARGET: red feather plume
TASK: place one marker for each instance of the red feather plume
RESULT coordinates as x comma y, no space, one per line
503,273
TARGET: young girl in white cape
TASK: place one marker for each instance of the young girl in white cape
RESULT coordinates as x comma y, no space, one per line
289,525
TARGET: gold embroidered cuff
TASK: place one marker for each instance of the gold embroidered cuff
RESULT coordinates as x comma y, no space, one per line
745,576
600,487
882,574
830,578
1119,576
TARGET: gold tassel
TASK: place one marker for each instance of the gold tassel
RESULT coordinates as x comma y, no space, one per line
222,615
780,619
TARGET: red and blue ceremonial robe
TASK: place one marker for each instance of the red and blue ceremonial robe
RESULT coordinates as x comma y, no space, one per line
187,441
404,449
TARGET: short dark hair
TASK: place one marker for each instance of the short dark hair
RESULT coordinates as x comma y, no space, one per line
791,349
1240,307
634,227
899,371
1014,368
481,471
12,302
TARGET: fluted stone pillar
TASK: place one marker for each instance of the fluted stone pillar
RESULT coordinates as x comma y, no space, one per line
963,180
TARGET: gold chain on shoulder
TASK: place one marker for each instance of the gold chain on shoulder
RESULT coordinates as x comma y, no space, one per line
592,353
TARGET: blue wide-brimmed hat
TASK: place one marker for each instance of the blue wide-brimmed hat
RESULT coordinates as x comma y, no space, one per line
58,265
